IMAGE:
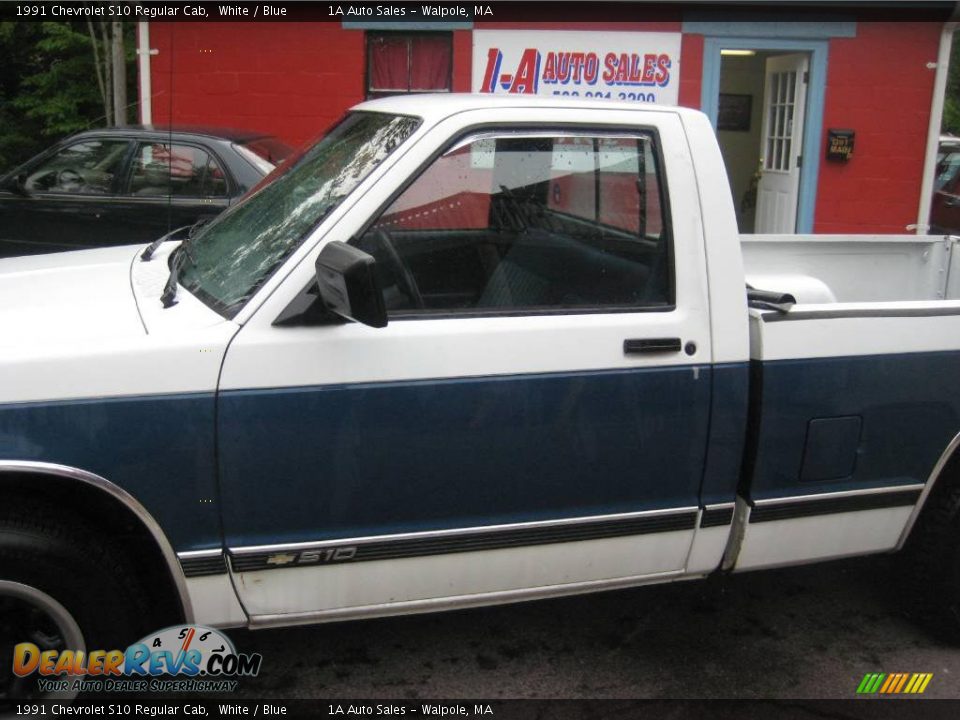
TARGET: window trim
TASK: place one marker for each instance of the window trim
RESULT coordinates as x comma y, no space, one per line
489,130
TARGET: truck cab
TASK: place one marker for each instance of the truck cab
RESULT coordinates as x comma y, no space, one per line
471,350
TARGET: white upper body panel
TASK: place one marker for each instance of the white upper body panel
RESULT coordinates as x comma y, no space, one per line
82,296
855,329
856,295
463,347
89,324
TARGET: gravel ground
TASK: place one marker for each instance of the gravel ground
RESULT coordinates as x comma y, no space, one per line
799,633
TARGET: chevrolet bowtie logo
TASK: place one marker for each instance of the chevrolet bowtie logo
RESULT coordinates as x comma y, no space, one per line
281,559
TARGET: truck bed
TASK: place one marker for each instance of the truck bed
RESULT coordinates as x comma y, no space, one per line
851,401
824,269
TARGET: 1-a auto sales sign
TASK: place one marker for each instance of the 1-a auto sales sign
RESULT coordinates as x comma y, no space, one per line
637,66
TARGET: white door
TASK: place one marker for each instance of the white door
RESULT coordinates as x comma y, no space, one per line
781,143
534,418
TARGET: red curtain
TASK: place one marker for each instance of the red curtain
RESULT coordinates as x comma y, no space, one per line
410,62
388,63
430,63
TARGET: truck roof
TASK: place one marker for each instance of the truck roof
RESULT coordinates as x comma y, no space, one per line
439,105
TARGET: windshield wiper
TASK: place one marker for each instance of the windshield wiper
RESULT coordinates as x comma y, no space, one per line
189,229
177,259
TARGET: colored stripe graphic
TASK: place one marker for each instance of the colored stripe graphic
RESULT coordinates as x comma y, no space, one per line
891,682
894,683
870,683
903,680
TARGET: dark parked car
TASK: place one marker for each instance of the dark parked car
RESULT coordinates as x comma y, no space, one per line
127,185
945,209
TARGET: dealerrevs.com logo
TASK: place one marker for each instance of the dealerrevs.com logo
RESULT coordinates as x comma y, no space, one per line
181,658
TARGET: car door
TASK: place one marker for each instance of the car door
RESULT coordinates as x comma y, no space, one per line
532,421
67,199
170,185
945,211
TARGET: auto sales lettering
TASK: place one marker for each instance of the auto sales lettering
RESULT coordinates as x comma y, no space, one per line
200,658
641,67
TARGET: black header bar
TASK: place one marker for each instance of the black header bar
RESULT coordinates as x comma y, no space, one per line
464,14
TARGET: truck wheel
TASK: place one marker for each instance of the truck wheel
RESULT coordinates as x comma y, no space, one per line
933,558
61,588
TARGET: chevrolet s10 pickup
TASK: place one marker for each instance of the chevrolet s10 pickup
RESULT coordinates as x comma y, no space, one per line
467,350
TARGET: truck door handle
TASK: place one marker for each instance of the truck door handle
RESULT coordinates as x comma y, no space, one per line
651,345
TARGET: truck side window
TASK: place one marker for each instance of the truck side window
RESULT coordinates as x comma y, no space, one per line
528,222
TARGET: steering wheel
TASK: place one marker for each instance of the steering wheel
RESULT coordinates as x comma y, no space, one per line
515,208
68,179
405,279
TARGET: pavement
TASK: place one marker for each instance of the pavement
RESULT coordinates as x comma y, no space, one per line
799,633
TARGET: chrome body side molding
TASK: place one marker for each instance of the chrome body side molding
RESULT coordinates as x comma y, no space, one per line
456,540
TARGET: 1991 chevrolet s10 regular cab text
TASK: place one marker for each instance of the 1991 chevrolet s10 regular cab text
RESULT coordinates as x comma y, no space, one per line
469,350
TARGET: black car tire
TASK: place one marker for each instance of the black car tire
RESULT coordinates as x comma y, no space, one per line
58,579
933,561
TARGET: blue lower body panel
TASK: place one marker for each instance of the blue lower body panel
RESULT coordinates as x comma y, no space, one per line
836,424
304,464
728,424
160,449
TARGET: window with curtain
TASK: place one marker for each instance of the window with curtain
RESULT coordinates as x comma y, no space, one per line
408,63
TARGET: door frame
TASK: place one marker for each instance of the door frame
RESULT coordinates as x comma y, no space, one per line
813,121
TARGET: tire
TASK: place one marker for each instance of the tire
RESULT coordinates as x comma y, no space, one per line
61,587
933,561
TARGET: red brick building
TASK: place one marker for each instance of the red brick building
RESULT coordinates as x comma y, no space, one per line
781,93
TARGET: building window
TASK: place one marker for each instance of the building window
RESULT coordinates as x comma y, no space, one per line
408,63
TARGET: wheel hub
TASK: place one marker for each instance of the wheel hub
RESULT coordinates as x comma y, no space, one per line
28,614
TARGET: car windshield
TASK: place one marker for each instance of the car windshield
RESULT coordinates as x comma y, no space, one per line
235,254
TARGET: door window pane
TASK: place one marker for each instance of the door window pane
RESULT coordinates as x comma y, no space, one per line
84,168
160,169
517,222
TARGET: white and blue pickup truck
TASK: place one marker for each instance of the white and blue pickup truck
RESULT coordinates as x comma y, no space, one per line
467,350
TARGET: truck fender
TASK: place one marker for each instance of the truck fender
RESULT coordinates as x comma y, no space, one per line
938,470
43,470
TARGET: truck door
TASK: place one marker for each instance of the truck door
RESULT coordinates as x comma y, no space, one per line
532,421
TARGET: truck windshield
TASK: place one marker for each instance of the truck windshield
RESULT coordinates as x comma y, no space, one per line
233,256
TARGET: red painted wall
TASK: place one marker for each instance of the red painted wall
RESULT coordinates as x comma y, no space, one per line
879,85
691,70
295,79
462,60
289,79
